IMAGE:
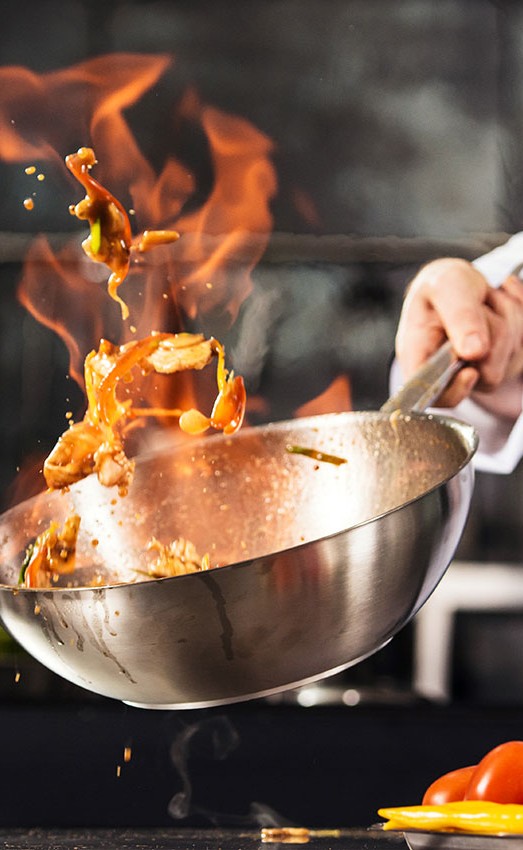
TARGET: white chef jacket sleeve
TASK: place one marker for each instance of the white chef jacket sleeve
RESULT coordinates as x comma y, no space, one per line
500,438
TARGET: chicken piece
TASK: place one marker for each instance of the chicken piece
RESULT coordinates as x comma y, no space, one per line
113,467
82,450
180,352
96,443
52,554
72,458
176,558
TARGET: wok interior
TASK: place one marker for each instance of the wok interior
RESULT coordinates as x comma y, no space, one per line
246,496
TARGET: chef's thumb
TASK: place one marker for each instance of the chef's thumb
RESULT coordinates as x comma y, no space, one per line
472,346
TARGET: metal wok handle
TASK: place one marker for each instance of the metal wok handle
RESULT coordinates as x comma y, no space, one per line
427,383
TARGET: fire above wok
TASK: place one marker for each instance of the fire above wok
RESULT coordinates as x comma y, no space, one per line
324,562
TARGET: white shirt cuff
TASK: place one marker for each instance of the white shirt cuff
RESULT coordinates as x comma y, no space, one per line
502,261
500,440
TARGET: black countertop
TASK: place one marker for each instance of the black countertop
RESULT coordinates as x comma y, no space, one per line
237,767
184,839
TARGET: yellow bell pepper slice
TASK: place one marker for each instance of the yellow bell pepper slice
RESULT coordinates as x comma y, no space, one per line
96,236
475,816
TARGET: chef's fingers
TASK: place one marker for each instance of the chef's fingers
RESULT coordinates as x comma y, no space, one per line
513,286
504,312
460,387
446,300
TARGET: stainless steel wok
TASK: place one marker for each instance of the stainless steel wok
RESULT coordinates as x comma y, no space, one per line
326,562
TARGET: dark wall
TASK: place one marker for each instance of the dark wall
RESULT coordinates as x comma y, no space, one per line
391,119
240,767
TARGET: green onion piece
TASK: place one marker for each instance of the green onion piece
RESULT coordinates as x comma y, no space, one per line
316,455
27,560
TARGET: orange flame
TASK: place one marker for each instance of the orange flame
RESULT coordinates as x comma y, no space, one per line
52,288
306,207
236,210
45,116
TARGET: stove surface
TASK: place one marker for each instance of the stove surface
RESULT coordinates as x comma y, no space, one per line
184,839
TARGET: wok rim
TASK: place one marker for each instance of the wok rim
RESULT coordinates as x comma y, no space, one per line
444,419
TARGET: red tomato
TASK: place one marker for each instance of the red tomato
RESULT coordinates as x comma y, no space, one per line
498,777
449,788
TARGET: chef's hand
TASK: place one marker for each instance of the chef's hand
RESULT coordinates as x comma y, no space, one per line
450,299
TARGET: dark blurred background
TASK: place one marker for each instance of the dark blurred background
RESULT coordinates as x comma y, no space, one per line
397,134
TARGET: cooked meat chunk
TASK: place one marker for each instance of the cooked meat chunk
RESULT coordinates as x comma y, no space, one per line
175,558
52,554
